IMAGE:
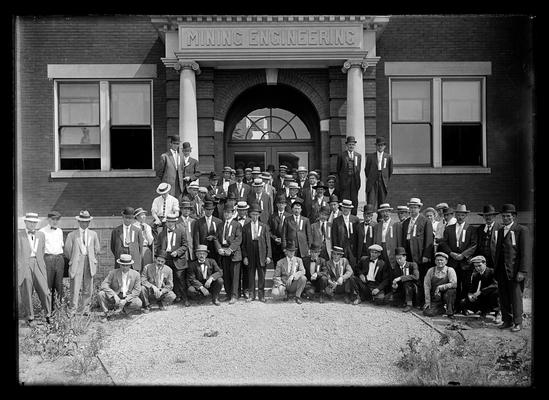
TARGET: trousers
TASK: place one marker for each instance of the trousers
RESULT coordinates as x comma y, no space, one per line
510,297
82,288
39,282
147,296
55,267
231,275
107,302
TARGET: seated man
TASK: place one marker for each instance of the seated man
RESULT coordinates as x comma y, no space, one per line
373,277
316,266
204,276
121,289
289,277
440,288
483,291
405,277
340,277
157,283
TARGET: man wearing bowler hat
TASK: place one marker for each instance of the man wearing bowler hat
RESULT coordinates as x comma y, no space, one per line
53,255
127,239
334,208
513,259
205,230
205,276
161,206
487,235
405,276
379,168
289,277
349,164
365,236
344,231
168,168
157,283
318,201
213,188
190,171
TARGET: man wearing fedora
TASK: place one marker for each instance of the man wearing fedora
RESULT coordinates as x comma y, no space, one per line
128,239
190,170
482,295
186,224
373,277
239,188
289,276
349,164
168,168
460,242
173,240
205,230
339,278
439,286
53,255
258,195
365,236
256,253
316,273
297,229
487,235
227,244
121,289
321,232
513,259
276,223
157,283
379,168
140,214
405,276
161,206
205,276
225,181
31,268
318,201
82,248
344,231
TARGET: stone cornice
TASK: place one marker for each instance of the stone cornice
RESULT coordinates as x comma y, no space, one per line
364,63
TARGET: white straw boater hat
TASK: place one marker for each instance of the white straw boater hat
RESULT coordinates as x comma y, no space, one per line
31,217
163,188
414,201
84,216
125,259
385,207
346,204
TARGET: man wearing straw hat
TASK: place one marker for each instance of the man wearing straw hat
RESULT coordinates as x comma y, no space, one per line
297,229
242,218
157,283
344,231
205,276
162,206
365,233
387,234
31,268
82,248
127,239
487,235
349,164
258,195
140,214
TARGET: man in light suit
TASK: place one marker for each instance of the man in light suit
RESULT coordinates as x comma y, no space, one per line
487,235
168,168
387,234
82,248
340,277
157,283
140,216
31,268
373,277
268,187
379,168
349,164
344,231
127,239
190,171
121,289
204,276
239,188
297,229
289,277
321,231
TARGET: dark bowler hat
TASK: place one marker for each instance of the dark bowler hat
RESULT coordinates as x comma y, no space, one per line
281,199
175,139
369,209
213,176
270,168
400,251
325,210
508,208
298,201
290,246
128,211
320,184
209,205
54,214
162,253
334,199
239,172
315,247
186,145
380,140
228,207
489,209
255,208
350,139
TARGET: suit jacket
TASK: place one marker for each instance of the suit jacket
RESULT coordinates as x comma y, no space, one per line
372,171
413,272
307,197
383,274
73,251
234,239
245,190
191,170
421,240
333,272
490,252
135,247
319,267
167,171
112,284
488,283
467,245
361,233
314,209
342,239
24,252
392,238
328,194
213,190
197,205
194,274
276,224
282,271
301,235
264,242
201,232
347,175
514,251
188,228
333,216
149,278
278,183
325,242
265,203
180,246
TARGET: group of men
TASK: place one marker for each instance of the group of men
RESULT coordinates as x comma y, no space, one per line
224,235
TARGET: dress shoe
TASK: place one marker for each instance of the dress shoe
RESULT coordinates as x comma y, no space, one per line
347,300
321,299
187,304
451,316
233,300
505,325
162,307
356,301
298,300
516,328
286,298
262,299
216,302
407,309
146,310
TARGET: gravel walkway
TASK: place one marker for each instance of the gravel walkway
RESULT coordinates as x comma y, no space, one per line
277,343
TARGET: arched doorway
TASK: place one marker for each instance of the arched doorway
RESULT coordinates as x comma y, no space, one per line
272,125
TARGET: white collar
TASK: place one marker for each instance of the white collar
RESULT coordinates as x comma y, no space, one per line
508,226
379,154
82,230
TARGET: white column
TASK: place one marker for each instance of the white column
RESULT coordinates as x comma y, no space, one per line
355,116
188,117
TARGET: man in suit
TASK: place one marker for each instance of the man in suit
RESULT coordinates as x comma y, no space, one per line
190,171
276,223
443,215
227,243
168,168
297,229
53,256
242,218
214,188
387,234
121,289
513,258
140,216
332,188
344,231
405,276
417,239
483,290
289,277
82,248
293,195
127,239
278,179
259,196
205,229
302,180
365,236
256,252
288,179
321,232
173,240
225,181
268,187
31,268
248,178
373,277
204,276
161,206
340,277
157,283
379,168
487,235
315,271
349,164
460,242
239,188
186,223
195,200
318,201
403,213
308,194
334,208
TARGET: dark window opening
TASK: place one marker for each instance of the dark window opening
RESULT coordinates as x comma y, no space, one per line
131,147
461,144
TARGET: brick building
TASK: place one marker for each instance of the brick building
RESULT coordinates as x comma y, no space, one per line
97,97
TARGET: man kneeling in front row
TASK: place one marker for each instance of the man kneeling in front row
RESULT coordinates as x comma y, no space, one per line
440,288
483,290
340,277
204,276
374,277
157,283
289,277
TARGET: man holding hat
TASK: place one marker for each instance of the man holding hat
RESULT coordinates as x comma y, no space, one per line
373,277
190,171
121,289
186,224
82,249
344,231
168,168
161,206
53,255
289,277
276,223
349,164
157,283
226,179
31,268
439,287
321,231
146,231
259,196
483,290
297,229
239,188
405,276
365,233
340,277
205,276
256,253
513,259
128,239
379,168
205,229
487,235
173,240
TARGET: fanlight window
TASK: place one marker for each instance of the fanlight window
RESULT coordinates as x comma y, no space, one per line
271,124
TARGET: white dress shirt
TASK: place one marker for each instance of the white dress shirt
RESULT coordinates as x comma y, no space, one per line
459,230
157,209
346,220
54,240
506,228
126,234
84,239
125,282
411,227
33,242
384,229
379,160
175,155
372,271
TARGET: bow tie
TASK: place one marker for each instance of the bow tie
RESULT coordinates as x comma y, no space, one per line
53,228
171,230
32,232
201,263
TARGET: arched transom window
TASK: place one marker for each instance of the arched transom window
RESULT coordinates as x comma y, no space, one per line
271,124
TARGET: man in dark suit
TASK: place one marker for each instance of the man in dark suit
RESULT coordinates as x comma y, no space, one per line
387,234
487,235
297,229
322,233
239,188
373,277
205,229
168,168
213,187
315,271
302,180
308,194
189,168
127,239
256,252
258,195
344,231
226,180
331,187
483,290
293,195
318,201
379,168
278,179
204,276
365,236
513,258
276,223
405,276
349,164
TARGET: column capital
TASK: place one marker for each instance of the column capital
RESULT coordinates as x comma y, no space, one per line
187,64
355,62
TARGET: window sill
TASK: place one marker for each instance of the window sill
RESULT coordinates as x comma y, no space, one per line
442,170
133,173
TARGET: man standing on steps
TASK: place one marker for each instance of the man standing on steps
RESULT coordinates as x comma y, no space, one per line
169,168
189,169
379,168
349,164
162,206
276,223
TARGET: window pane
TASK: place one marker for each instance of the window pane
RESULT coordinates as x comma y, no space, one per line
131,147
270,124
461,101
81,142
411,101
78,104
462,144
411,144
293,159
245,159
130,104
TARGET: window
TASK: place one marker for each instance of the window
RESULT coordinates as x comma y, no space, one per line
271,124
104,125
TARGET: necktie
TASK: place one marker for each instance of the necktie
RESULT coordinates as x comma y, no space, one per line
351,155
226,230
375,271
323,229
84,238
143,227
460,229
203,267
